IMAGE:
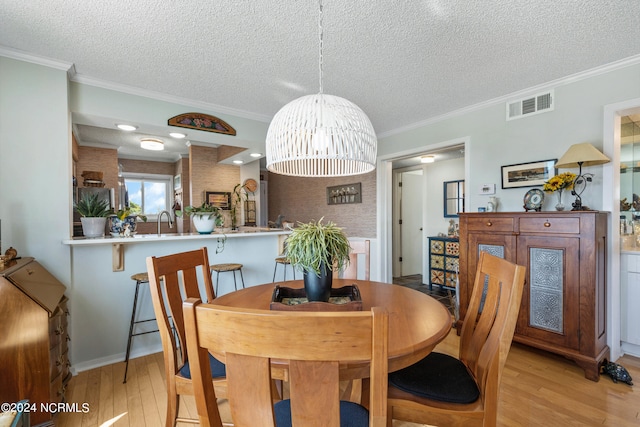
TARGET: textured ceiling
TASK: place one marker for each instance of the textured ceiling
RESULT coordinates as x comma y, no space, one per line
402,62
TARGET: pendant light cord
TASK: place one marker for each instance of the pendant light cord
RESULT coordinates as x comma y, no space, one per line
320,35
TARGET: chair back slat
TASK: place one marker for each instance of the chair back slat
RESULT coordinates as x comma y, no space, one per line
490,321
313,343
174,278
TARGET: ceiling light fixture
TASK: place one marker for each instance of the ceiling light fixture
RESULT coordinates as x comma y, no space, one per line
177,135
321,135
256,154
128,128
427,159
152,144
238,162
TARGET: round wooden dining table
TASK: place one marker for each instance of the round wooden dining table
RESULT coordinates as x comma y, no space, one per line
417,322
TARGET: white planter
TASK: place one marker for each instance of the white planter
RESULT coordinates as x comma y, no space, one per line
203,224
93,227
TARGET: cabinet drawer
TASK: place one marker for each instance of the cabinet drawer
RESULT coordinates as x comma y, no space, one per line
490,224
552,225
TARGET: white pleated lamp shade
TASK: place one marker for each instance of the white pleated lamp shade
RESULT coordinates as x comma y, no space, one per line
321,135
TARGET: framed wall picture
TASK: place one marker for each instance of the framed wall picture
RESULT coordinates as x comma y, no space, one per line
528,174
177,182
344,194
220,199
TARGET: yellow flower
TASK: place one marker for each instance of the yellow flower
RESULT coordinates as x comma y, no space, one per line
560,182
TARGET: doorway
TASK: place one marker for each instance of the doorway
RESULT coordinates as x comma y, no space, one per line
415,208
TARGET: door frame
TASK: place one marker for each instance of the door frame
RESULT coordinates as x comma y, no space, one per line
384,194
611,203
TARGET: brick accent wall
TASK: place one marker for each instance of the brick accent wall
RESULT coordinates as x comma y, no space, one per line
103,160
209,175
305,199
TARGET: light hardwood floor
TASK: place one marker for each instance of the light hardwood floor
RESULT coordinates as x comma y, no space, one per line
538,389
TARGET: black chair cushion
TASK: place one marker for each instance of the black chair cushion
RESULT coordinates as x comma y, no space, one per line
437,377
217,368
351,414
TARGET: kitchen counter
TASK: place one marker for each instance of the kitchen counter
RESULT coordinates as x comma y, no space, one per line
141,238
101,289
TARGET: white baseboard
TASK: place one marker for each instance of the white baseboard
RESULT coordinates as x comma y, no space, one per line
631,349
114,358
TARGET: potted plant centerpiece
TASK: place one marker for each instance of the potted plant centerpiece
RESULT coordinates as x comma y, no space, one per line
205,217
93,214
318,249
124,222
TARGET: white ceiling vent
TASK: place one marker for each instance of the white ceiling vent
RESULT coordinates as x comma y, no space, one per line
539,103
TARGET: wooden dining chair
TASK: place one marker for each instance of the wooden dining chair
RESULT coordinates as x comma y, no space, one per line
358,247
449,391
172,279
313,343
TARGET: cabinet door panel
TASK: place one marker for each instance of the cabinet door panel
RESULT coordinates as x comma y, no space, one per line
550,309
500,245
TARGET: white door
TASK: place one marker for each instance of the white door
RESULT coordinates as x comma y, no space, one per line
411,225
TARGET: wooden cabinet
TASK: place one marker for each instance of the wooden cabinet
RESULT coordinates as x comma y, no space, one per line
564,300
443,262
33,320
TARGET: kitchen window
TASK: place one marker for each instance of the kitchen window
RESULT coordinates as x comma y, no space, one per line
148,194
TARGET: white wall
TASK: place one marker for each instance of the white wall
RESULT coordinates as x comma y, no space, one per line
492,142
495,142
35,163
435,175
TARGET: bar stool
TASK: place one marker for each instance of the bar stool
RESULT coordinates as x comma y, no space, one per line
221,268
284,261
140,278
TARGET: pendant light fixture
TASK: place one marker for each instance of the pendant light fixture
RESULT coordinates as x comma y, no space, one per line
321,135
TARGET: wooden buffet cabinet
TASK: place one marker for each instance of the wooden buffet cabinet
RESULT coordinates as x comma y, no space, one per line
564,300
33,319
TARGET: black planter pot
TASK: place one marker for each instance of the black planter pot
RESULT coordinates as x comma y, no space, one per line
318,288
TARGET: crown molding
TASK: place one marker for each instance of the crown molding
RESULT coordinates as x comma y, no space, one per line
104,84
623,63
20,55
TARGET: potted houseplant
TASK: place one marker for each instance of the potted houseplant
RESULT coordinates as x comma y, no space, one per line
205,217
93,212
124,222
317,249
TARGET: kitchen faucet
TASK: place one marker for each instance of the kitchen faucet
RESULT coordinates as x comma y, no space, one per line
160,218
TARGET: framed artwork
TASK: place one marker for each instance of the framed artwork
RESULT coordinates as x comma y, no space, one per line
344,194
528,174
200,121
220,199
177,182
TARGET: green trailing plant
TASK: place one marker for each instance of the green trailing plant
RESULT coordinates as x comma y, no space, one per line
238,195
92,206
311,244
204,210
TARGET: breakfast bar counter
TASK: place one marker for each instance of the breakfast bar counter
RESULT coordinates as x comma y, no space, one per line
101,289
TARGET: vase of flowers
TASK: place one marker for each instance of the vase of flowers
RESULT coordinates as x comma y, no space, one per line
558,184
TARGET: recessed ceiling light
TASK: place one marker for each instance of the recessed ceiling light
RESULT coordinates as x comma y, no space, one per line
256,154
238,162
178,135
128,128
427,159
152,144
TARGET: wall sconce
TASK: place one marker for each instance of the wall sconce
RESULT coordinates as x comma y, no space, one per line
576,156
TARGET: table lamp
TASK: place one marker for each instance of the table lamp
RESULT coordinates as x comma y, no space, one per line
576,156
